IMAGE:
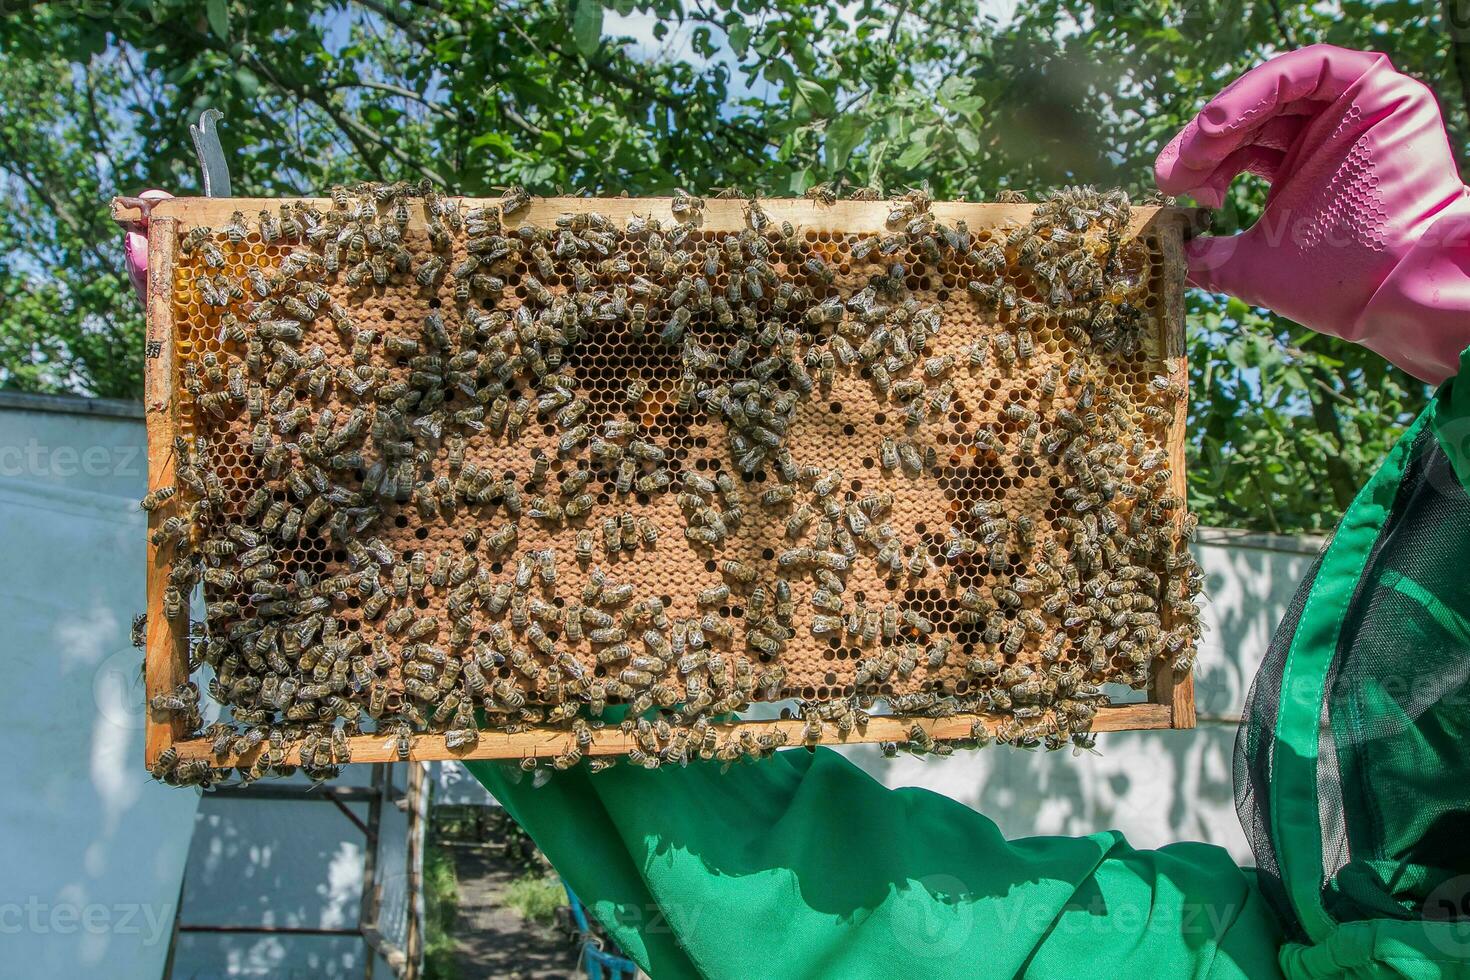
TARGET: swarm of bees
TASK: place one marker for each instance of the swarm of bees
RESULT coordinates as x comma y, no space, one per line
355,423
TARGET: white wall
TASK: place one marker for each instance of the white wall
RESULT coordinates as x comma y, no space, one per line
453,785
91,850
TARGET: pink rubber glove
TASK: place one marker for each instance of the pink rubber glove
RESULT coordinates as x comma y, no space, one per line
135,247
1366,231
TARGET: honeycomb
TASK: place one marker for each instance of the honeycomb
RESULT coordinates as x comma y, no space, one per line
987,523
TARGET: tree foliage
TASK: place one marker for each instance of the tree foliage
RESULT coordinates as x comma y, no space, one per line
641,96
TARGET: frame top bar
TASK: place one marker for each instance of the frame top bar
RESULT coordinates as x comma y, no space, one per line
718,215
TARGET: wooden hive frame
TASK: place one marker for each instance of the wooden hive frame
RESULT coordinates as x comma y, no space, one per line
1169,699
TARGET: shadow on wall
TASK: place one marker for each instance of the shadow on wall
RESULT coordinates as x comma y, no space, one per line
92,850
1249,582
279,864
245,871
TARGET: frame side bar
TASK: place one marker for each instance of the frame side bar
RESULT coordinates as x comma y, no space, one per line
167,650
1175,689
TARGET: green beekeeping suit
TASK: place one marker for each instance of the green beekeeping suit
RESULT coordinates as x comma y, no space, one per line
802,865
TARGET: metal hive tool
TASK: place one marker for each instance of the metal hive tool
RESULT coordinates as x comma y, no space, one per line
946,629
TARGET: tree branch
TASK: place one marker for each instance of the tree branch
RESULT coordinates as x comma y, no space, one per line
364,152
398,20
903,7
354,129
398,90
63,213
675,104
1280,21
514,116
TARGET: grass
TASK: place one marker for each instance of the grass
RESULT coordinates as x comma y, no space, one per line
536,897
441,908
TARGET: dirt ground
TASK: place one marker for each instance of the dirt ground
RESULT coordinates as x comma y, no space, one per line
493,941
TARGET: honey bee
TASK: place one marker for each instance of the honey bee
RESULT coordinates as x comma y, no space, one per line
909,457
824,194
156,498
738,570
889,621
776,496
1172,390
937,366
236,229
888,457
1005,353
819,270
647,532
514,199
1025,345
685,205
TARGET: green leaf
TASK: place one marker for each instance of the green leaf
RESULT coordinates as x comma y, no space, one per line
969,142
876,156
815,97
587,27
701,41
540,173
953,87
248,82
778,72
218,14
918,148
843,136
739,36
91,39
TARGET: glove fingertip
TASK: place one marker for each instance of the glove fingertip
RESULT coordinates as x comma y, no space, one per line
135,258
1169,174
1209,262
